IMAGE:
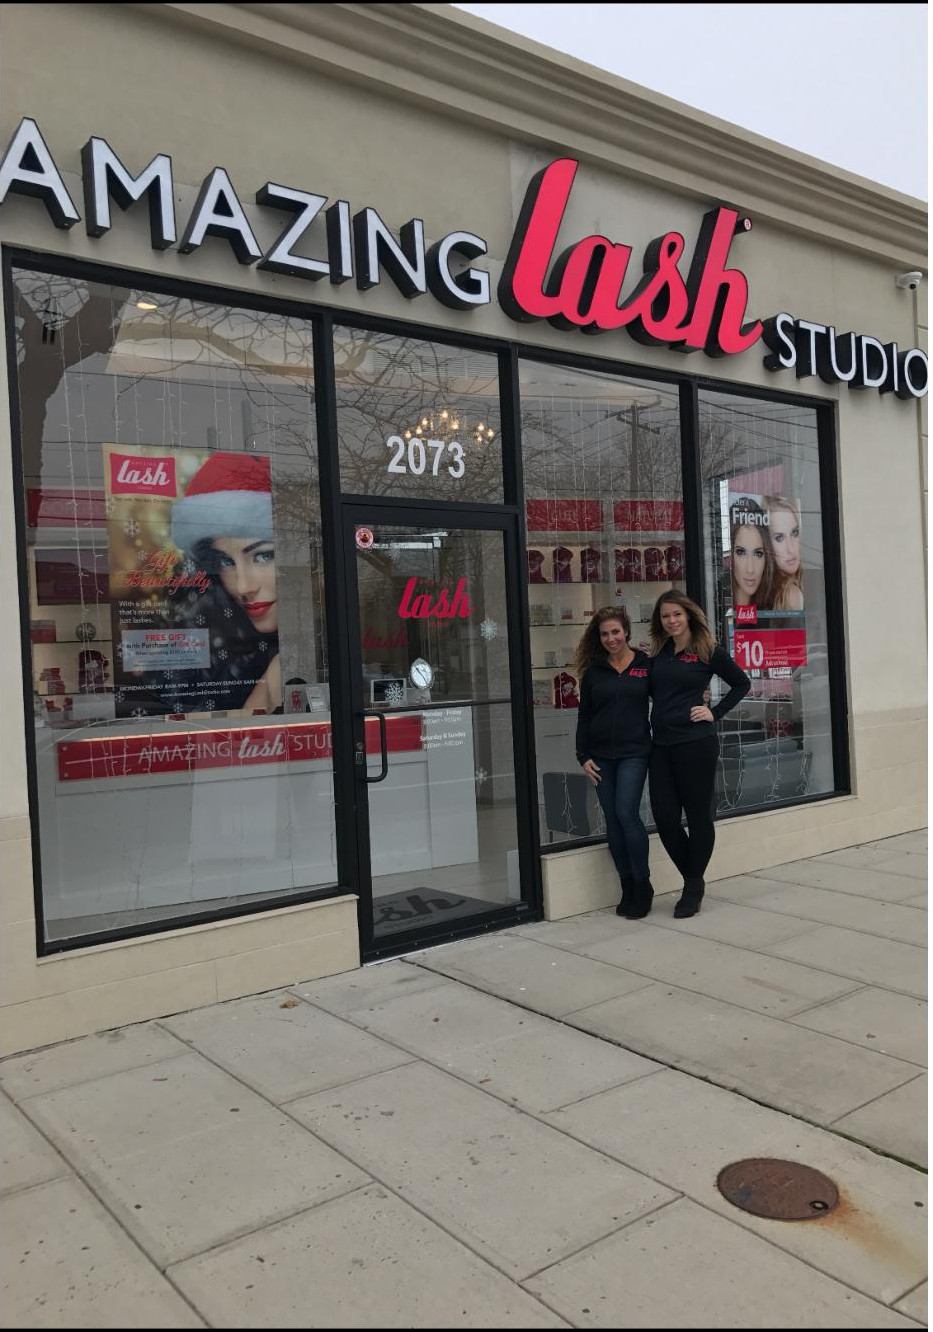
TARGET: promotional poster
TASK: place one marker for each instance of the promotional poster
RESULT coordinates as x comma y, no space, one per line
193,598
763,580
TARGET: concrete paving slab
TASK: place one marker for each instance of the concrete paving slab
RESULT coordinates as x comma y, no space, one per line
883,920
66,1263
283,1047
27,1158
921,901
686,1267
913,864
843,879
516,1191
527,1060
911,841
366,1260
872,855
548,980
895,966
895,1122
892,1024
727,922
723,971
914,1305
369,987
187,1157
594,927
683,1132
85,1059
800,1071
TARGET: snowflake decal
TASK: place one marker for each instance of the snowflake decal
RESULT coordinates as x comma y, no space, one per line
223,654
489,629
263,646
480,776
131,527
109,506
138,712
118,650
200,621
189,566
142,556
228,613
168,675
395,695
121,696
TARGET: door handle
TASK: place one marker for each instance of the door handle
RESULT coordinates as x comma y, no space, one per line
383,745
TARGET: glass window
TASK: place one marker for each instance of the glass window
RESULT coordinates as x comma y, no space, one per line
416,419
766,596
605,525
175,574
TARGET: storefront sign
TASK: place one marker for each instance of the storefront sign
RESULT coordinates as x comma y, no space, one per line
764,649
844,358
581,288
238,747
445,604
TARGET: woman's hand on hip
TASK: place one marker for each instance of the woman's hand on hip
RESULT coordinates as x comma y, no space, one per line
701,714
591,768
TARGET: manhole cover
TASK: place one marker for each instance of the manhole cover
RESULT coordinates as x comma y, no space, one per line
782,1190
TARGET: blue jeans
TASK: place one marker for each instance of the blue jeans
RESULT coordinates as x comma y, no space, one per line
621,784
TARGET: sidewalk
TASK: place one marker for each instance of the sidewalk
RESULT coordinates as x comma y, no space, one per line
522,1130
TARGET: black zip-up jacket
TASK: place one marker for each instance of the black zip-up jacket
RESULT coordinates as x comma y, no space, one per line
678,681
612,720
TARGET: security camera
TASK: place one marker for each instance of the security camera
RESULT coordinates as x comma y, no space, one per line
909,281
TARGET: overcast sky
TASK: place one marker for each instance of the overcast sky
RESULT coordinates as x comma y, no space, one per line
843,82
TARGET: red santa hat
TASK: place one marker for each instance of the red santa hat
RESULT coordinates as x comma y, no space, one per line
229,496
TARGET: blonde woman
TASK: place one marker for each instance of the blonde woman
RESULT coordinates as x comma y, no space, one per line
784,531
685,746
613,744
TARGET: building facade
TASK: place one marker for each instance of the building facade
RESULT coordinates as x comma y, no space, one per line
356,354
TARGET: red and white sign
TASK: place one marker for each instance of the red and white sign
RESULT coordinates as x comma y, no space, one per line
746,614
55,507
643,515
236,747
443,604
137,474
765,649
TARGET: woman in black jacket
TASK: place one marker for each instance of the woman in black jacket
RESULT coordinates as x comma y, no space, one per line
613,745
685,746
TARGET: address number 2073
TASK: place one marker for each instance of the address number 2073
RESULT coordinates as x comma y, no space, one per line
419,455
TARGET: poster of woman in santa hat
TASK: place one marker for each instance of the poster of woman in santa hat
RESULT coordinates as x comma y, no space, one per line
194,599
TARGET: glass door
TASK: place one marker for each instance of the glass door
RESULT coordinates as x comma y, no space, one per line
440,850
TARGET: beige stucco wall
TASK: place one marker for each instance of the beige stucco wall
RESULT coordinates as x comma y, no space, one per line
419,111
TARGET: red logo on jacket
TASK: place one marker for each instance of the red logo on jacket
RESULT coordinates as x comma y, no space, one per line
584,286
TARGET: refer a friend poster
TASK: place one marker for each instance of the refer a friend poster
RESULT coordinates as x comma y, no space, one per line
192,580
763,572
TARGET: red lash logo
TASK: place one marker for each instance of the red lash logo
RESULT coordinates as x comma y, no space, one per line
639,675
689,656
443,606
746,614
133,475
584,287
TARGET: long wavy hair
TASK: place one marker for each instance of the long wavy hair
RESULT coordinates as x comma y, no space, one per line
701,642
784,584
589,649
749,513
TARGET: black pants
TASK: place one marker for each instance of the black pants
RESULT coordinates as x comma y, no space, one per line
681,779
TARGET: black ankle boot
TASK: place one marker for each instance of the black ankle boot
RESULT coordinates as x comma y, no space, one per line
627,898
690,899
643,896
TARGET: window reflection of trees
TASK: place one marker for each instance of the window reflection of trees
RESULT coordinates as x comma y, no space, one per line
387,385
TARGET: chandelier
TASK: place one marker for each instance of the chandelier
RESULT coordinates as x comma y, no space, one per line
447,423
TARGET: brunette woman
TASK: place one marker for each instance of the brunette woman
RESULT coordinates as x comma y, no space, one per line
613,745
685,747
